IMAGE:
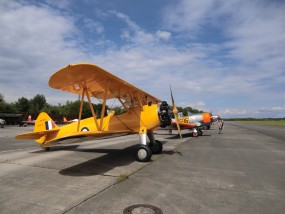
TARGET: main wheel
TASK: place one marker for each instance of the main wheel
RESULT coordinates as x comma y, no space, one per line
156,147
195,134
200,133
143,153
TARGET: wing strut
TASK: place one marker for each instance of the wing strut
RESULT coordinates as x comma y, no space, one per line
92,111
80,110
123,104
104,104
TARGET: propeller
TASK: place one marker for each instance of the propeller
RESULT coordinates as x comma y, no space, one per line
175,112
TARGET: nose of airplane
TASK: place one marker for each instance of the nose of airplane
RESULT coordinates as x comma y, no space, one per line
164,113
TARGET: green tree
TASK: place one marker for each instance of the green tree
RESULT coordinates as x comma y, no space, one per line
188,109
38,103
2,103
118,110
6,107
1,98
22,105
71,110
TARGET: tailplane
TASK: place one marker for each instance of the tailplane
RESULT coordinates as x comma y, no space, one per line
44,129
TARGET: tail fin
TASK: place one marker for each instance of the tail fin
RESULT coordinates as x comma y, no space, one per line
44,123
44,129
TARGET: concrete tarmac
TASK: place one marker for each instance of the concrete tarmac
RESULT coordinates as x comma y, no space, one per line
35,181
240,171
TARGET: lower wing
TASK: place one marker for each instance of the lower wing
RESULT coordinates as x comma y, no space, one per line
48,137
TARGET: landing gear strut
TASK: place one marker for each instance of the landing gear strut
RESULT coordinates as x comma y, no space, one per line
156,147
144,151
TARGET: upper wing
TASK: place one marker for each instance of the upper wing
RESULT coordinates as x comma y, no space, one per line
75,78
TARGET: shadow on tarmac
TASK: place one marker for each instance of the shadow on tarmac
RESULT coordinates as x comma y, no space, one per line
171,152
100,165
57,148
103,164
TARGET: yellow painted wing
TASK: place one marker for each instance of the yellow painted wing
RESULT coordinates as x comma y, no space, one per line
89,134
74,78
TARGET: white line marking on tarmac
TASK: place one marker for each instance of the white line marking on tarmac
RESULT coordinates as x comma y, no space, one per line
17,150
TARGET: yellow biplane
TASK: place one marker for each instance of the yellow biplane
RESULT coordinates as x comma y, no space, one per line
144,112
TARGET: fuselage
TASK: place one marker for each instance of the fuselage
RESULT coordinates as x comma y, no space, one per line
193,121
136,120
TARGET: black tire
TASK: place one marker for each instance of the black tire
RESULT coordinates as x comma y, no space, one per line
156,147
200,133
143,153
47,149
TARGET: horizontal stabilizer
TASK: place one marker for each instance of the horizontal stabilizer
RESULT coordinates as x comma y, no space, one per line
38,136
35,135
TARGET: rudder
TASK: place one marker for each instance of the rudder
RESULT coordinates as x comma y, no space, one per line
44,123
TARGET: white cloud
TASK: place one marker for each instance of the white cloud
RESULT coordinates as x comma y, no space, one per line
164,35
258,35
273,112
232,111
93,25
278,108
200,105
188,16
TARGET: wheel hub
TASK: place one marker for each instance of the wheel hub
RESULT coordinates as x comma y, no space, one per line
142,153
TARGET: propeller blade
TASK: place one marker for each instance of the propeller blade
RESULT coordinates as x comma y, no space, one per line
175,112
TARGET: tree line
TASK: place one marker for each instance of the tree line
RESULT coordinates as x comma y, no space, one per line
70,109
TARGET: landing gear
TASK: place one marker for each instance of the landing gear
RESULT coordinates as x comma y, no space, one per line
47,149
143,153
156,147
195,133
200,133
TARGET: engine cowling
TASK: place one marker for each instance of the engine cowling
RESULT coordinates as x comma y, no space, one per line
164,113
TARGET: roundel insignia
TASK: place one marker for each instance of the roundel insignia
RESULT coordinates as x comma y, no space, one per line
84,129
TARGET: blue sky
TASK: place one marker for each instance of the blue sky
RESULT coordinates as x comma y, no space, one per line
226,57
